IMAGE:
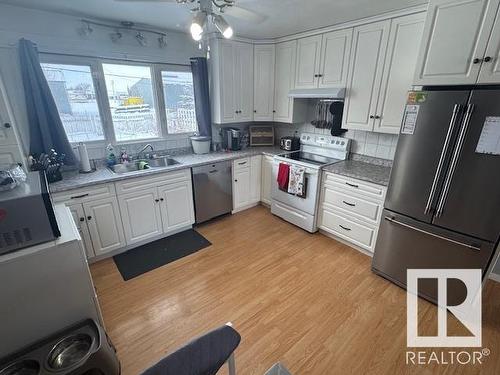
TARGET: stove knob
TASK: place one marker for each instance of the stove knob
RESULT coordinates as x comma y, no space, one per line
342,143
337,142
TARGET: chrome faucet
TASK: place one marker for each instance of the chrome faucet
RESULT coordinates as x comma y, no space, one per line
144,149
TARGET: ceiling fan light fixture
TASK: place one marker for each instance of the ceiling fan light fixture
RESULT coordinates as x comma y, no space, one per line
197,25
222,25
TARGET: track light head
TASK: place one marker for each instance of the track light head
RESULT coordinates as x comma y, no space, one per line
197,25
162,41
222,25
116,36
141,39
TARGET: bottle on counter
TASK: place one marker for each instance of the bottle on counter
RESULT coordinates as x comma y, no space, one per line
110,155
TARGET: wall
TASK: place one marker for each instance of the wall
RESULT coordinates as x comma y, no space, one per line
56,33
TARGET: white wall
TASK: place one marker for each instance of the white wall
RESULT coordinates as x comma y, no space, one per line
56,33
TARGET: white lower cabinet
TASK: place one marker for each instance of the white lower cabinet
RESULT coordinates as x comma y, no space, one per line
351,210
81,224
266,179
105,226
141,215
176,202
246,182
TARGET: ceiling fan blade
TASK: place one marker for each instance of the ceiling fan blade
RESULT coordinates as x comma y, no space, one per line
244,14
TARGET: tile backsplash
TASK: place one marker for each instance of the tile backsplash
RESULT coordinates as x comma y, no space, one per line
377,145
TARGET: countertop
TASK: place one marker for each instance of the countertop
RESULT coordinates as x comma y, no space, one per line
377,174
74,180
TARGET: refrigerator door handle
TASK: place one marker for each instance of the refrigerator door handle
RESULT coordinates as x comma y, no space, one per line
454,160
451,128
392,220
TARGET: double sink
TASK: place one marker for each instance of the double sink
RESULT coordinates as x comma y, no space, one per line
143,165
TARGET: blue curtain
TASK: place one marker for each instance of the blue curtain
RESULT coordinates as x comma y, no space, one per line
45,127
201,95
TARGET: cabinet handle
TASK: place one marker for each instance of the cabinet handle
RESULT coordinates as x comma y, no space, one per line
487,59
352,185
344,228
274,111
377,117
316,75
7,125
235,180
79,196
371,116
254,111
477,61
161,199
82,219
89,217
349,204
242,163
157,200
320,75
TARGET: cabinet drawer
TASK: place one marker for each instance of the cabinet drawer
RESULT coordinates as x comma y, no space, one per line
241,163
356,186
137,184
365,209
85,194
356,233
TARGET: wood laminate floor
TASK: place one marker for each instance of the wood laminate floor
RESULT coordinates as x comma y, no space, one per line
303,299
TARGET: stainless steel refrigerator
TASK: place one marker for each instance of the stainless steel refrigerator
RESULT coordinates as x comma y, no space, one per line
442,208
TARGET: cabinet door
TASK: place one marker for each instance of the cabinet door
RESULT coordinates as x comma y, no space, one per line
10,155
141,215
244,82
490,68
105,225
308,56
365,72
81,224
455,34
176,201
241,188
284,78
399,68
335,53
267,173
7,132
263,93
228,101
255,178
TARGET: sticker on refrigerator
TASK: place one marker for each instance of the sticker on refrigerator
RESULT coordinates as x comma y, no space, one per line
489,141
415,97
410,119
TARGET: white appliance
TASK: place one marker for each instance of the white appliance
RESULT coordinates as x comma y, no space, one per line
316,151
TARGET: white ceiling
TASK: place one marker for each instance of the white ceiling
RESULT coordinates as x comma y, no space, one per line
285,17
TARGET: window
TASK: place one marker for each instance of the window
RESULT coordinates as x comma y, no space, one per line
179,101
73,91
131,101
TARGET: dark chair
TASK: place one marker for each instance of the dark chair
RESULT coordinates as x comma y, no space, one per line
204,355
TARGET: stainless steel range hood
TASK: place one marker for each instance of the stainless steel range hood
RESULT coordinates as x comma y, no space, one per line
332,93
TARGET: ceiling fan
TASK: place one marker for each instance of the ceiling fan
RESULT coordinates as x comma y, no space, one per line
212,10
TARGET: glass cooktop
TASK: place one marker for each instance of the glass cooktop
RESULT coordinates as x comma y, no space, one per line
307,157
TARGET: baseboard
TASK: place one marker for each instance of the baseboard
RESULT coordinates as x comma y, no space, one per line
495,277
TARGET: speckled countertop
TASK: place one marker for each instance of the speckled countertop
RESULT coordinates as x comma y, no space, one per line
362,170
74,180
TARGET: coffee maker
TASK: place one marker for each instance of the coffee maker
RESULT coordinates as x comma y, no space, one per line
231,139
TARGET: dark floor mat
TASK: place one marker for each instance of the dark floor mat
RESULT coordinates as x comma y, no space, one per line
147,257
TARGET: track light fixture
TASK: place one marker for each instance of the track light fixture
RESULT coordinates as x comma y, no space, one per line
116,36
197,25
85,29
162,41
223,27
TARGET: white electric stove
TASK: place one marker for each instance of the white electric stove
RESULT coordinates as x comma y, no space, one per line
316,151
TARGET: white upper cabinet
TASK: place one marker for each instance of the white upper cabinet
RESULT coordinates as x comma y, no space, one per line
454,41
365,72
308,62
263,99
490,67
399,67
334,62
322,60
286,54
232,82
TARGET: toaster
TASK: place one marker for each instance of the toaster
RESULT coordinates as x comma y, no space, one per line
290,143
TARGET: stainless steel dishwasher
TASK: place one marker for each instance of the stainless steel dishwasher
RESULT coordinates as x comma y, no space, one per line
213,190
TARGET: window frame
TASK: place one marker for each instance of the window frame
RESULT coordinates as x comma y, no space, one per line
99,81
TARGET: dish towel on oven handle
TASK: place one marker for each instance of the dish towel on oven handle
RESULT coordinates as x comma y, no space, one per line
296,180
283,176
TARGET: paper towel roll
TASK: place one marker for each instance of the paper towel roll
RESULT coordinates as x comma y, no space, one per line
84,158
